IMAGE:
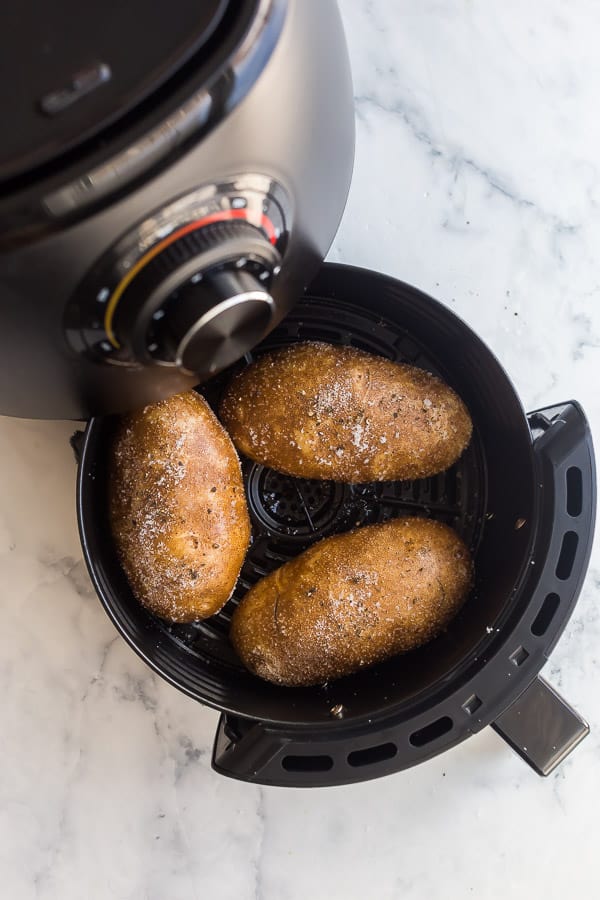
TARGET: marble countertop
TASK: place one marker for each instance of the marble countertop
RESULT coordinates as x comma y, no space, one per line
477,179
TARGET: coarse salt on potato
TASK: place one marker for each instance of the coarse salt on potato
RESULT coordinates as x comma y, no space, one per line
177,508
353,600
315,410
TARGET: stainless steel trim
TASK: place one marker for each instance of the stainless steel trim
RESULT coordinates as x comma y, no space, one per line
191,116
215,311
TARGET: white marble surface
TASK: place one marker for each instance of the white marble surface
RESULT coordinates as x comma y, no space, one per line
477,179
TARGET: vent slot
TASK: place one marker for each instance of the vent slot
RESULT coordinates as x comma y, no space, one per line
431,732
372,755
307,763
548,610
566,559
574,491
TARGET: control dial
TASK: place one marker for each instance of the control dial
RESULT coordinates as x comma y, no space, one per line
202,302
213,322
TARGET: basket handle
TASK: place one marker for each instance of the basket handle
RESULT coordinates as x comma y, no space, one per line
541,727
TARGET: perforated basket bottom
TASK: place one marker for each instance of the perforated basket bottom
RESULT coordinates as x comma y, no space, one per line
289,514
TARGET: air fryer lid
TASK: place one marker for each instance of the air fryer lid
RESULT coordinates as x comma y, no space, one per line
70,68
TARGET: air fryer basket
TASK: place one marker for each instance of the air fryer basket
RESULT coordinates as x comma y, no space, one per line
522,496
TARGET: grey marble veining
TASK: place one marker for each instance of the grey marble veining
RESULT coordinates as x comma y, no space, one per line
477,179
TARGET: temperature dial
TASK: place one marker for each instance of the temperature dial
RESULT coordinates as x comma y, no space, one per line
188,290
202,302
212,321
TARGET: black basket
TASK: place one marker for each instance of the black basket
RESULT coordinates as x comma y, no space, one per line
522,496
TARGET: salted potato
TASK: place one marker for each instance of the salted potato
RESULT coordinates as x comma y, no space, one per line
315,410
352,600
177,508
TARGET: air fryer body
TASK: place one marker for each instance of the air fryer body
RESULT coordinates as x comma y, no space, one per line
292,136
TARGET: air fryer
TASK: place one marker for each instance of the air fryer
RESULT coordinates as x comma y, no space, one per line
523,498
172,178
170,184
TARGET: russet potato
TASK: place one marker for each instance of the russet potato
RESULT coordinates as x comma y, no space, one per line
315,410
352,600
177,508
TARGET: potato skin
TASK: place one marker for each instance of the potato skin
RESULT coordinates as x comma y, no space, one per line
352,600
177,508
320,411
